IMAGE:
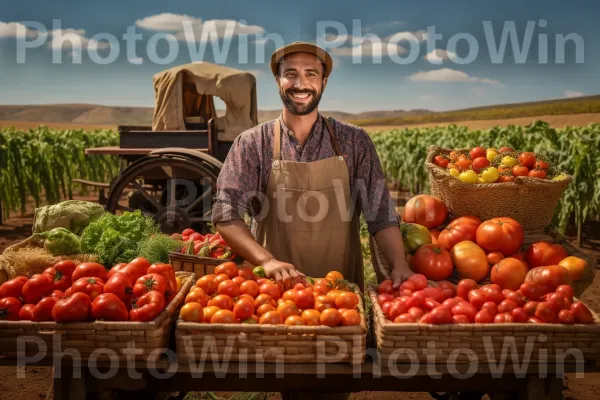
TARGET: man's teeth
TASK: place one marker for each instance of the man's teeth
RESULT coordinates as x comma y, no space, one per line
300,95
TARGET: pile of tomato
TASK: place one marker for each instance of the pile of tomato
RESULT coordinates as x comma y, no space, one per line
468,303
481,165
67,292
210,245
473,249
234,295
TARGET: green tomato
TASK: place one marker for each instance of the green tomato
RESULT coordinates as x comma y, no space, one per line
490,174
414,236
469,177
510,161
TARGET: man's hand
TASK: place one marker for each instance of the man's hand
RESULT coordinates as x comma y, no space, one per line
400,272
283,272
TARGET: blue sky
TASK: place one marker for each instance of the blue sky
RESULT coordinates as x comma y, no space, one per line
354,86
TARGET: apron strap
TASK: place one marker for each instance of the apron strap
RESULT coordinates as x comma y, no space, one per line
331,130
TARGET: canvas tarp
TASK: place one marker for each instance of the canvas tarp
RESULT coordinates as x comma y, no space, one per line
236,88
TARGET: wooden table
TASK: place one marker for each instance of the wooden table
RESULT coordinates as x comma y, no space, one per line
165,376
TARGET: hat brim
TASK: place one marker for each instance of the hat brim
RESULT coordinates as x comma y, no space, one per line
303,47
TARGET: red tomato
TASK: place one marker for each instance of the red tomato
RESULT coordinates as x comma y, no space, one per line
117,268
397,308
546,312
425,319
527,159
304,299
542,164
451,302
120,285
243,309
480,163
416,300
207,283
13,287
408,285
93,287
548,278
246,273
535,320
477,298
419,280
464,287
566,317
109,307
503,318
531,291
228,268
477,152
460,319
149,282
531,307
557,301
250,287
465,309
384,297
545,253
25,314
167,272
506,149
464,164
136,268
61,281
148,307
224,302
89,270
484,317
441,315
500,234
196,295
430,304
516,297
505,178
229,288
43,309
576,267
506,306
75,308
404,319
347,300
425,210
493,294
463,228
538,173
433,261
385,307
441,161
583,315
10,308
519,315
405,292
509,273
566,291
386,287
434,293
494,257
416,313
270,289
37,287
491,307
519,170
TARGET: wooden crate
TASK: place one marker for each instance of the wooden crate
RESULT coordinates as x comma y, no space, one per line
103,339
198,265
272,343
483,343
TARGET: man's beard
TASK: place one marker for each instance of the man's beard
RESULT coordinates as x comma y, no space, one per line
300,109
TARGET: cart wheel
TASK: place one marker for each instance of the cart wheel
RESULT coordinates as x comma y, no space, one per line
174,189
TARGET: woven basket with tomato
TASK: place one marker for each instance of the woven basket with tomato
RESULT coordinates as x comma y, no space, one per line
490,183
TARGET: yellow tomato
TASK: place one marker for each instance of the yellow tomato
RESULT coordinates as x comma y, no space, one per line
560,177
491,154
490,174
454,172
192,312
468,177
510,161
179,283
480,180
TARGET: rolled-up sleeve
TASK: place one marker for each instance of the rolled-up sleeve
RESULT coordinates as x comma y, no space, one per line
238,181
370,187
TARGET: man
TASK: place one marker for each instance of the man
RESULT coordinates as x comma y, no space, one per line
305,178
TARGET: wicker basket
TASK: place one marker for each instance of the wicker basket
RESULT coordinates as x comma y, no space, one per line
530,201
106,339
189,263
382,269
272,343
483,343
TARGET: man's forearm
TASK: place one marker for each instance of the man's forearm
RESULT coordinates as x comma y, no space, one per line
240,239
392,245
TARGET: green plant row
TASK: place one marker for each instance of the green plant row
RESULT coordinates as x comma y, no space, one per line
573,150
41,164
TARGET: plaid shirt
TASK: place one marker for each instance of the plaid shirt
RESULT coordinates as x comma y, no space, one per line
246,170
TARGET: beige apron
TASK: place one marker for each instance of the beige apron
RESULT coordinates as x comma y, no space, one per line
307,223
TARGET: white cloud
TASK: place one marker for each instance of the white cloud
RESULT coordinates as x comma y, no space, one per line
14,29
66,39
449,75
374,48
179,24
437,55
573,93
